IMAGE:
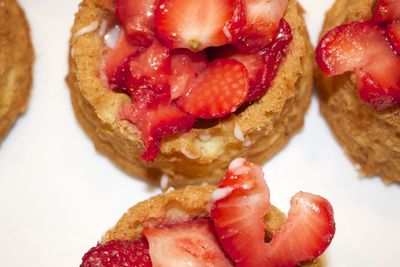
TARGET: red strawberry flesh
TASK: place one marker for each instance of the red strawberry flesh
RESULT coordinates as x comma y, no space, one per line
393,34
118,253
218,91
193,24
137,17
186,244
386,11
358,47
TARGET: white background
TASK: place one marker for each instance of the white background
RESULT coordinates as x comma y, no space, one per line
58,195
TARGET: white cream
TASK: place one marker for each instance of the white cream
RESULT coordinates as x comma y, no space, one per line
112,36
188,154
247,143
237,167
164,182
238,133
205,137
87,29
103,27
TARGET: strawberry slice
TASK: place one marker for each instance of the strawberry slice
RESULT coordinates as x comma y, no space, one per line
238,208
118,253
185,66
386,11
116,57
218,91
262,66
262,24
193,24
186,244
155,124
393,34
137,18
358,47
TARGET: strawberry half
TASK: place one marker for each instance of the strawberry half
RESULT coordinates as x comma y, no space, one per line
137,17
218,90
155,124
185,66
186,244
362,47
118,253
238,209
193,24
117,57
262,24
386,11
393,34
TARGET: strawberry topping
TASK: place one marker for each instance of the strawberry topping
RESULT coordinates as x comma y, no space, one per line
137,19
386,11
238,209
358,47
193,24
154,124
393,34
262,23
187,244
217,91
118,253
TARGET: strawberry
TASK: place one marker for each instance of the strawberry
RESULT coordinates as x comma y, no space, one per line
238,209
185,66
262,24
116,57
393,34
261,66
218,90
137,18
118,253
386,11
362,47
155,124
193,24
186,244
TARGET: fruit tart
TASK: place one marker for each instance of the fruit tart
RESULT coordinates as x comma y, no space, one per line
232,225
359,82
16,60
184,87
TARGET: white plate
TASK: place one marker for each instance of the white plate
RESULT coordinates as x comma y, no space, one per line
58,196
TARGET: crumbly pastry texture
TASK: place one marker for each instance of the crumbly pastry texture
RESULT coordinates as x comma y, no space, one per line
177,206
200,155
370,138
16,59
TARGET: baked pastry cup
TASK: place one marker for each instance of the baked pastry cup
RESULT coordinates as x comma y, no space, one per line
202,154
16,60
370,137
170,220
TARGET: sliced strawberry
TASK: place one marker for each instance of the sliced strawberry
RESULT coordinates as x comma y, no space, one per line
118,253
262,24
116,57
362,47
186,244
155,124
137,17
308,231
185,66
218,91
238,209
193,24
386,11
393,34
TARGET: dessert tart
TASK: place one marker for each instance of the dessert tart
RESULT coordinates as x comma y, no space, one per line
169,87
16,60
359,82
232,225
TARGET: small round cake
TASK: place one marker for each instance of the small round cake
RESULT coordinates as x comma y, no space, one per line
255,130
364,117
16,60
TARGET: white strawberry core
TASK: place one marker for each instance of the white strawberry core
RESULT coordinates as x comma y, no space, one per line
237,167
221,193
